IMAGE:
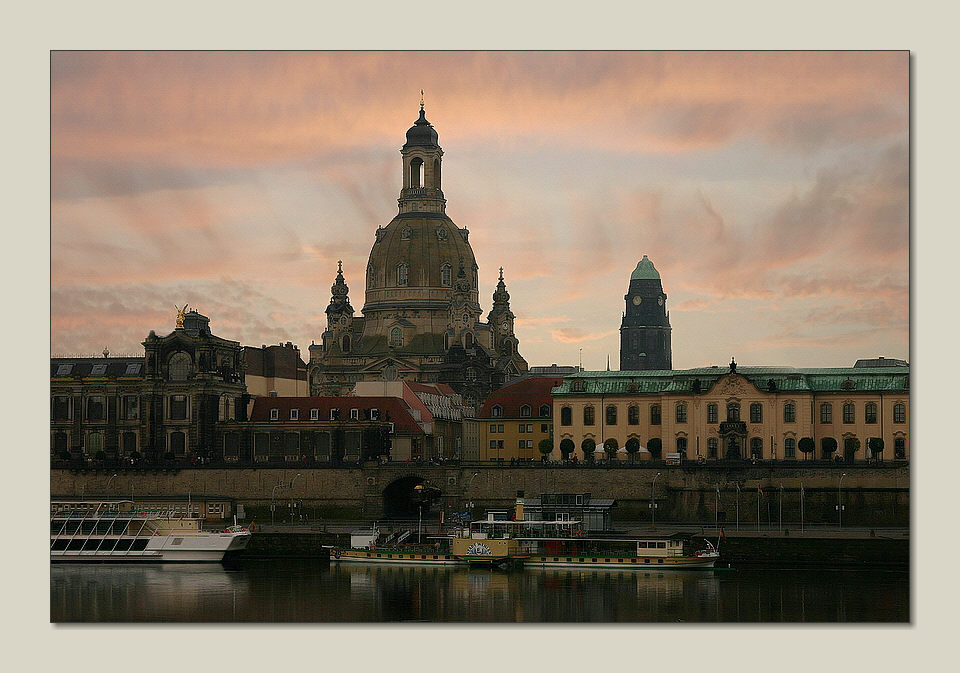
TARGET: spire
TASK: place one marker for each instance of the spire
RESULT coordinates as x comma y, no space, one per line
339,293
501,296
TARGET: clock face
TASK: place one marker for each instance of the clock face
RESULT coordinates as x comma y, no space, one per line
637,300
505,326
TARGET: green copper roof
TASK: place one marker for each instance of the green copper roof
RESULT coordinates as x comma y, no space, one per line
645,270
785,379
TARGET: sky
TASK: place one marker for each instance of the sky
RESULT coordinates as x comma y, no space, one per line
770,189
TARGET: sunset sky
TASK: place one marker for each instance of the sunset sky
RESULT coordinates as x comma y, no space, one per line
770,189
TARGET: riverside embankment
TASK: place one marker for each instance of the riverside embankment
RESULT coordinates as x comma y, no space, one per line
871,495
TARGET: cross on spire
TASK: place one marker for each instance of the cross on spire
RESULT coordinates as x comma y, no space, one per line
421,99
501,273
339,266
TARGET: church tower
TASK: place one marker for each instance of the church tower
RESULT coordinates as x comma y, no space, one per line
645,330
339,315
501,320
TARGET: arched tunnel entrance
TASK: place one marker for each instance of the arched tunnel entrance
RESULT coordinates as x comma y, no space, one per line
403,497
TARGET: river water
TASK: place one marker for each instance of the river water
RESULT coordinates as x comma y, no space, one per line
310,591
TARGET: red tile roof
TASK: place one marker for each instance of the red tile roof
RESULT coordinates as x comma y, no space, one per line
533,391
399,412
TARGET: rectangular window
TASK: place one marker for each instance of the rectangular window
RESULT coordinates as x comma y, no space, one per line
294,414
493,427
355,414
522,428
681,413
96,409
522,444
712,413
61,408
499,443
178,407
789,413
500,427
131,407
899,413
789,448
849,413
544,428
712,447
655,414
756,413
314,414
870,413
826,413
529,427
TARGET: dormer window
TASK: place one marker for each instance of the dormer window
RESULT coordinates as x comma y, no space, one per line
334,414
355,414
496,411
402,271
374,414
544,411
525,410
294,414
314,414
274,414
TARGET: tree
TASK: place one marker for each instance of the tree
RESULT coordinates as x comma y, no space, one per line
875,444
545,446
610,448
567,447
633,447
806,445
588,446
850,446
655,447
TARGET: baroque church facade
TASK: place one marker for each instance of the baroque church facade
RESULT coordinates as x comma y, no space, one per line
645,329
421,319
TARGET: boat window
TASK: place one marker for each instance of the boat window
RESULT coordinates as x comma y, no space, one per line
659,560
177,540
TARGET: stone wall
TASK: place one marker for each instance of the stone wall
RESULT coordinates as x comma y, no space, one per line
871,495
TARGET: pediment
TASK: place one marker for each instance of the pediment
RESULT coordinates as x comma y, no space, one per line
733,385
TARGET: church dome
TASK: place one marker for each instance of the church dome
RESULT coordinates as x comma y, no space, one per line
422,133
415,263
645,271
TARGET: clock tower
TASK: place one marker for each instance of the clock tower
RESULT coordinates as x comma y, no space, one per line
645,330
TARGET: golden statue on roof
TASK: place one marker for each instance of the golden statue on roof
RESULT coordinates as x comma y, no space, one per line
181,312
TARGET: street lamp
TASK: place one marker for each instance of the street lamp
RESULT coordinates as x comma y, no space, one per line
653,502
418,489
294,479
107,488
839,503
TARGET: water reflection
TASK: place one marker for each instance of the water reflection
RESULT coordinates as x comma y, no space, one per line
291,591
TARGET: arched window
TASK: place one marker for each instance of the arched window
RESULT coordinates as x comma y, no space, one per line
402,271
756,413
345,344
468,340
578,385
566,416
899,448
545,411
611,415
733,412
446,275
588,416
496,411
789,412
416,172
179,366
525,411
712,445
681,412
633,415
756,448
713,415
789,447
870,412
396,337
826,413
849,413
899,412
655,414
682,446
436,173
94,442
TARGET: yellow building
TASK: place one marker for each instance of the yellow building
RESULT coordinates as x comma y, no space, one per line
716,413
514,419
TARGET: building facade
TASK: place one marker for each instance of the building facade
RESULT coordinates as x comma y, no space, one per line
514,420
165,404
275,370
720,413
645,329
421,320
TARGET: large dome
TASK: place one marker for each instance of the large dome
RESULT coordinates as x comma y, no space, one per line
415,263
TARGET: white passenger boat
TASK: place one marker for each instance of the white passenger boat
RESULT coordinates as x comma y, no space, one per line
118,531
